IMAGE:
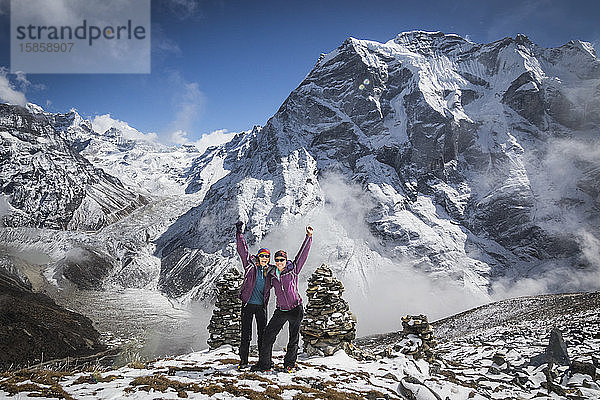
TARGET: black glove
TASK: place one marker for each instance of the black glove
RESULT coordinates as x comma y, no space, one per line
238,226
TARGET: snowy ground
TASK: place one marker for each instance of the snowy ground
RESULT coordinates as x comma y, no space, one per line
213,374
478,357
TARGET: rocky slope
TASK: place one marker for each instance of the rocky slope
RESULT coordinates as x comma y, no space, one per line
492,349
114,250
34,329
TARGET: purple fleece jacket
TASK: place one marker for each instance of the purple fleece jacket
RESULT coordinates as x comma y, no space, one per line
249,263
286,286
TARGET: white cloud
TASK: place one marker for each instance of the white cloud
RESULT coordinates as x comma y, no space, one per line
5,207
214,138
590,246
207,140
50,12
188,102
162,45
101,123
178,137
25,84
8,91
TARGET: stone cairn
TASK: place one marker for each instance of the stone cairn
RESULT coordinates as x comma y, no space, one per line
418,338
225,323
328,325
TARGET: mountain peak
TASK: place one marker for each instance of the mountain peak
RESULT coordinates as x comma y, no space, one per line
586,47
424,42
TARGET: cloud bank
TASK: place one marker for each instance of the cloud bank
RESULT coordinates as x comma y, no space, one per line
8,91
101,123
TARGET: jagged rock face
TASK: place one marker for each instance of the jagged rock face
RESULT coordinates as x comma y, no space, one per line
452,142
48,183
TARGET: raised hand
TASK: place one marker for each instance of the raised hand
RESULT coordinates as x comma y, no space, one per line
309,230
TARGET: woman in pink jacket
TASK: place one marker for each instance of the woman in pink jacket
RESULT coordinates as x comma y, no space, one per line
284,280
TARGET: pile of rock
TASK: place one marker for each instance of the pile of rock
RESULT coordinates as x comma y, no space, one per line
418,340
225,323
328,325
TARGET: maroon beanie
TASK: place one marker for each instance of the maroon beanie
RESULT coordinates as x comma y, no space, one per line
281,253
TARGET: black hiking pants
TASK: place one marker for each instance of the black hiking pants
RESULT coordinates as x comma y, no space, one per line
248,312
279,318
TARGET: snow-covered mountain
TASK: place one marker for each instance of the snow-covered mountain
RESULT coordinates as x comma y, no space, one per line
47,183
471,163
140,161
428,158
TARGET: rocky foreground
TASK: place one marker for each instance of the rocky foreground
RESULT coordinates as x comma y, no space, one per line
496,349
483,353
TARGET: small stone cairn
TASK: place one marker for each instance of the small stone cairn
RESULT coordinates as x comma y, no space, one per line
328,325
418,340
225,323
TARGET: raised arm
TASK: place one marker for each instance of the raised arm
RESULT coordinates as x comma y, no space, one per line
303,252
242,247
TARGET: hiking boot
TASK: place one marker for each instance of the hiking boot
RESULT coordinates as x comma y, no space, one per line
259,368
243,365
289,369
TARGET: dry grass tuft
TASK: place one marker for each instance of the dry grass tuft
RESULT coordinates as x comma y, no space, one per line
94,378
229,361
13,385
161,383
136,365
271,393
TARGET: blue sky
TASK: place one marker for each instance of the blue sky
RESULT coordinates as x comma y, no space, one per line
230,64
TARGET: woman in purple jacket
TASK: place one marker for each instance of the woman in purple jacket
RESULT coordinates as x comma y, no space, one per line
284,279
253,293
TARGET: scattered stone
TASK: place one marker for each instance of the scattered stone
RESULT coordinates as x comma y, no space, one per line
419,341
499,359
409,388
225,323
328,325
585,368
555,353
499,364
550,386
